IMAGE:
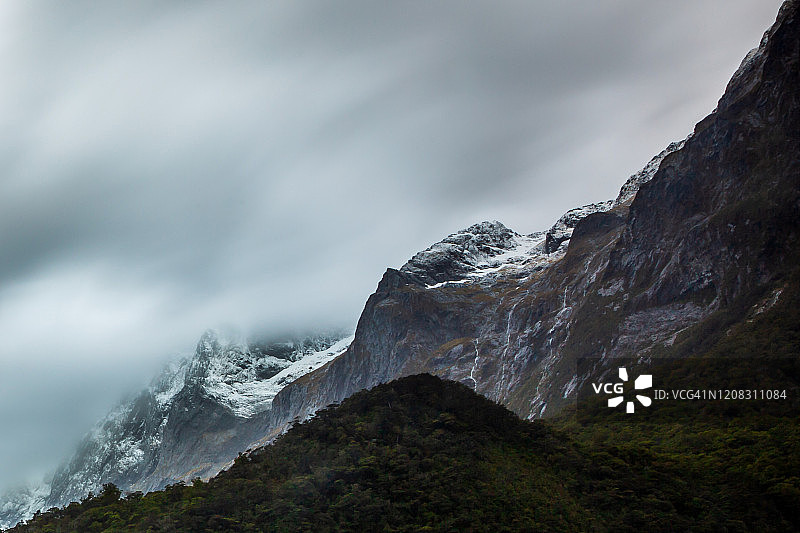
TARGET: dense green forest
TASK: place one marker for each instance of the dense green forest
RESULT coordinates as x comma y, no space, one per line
422,454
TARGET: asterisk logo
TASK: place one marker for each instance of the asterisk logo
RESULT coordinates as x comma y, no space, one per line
645,381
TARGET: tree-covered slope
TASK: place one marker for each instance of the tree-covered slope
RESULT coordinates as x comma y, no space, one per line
423,454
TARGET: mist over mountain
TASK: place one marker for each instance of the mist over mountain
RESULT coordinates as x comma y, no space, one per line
202,410
696,254
173,167
196,416
694,250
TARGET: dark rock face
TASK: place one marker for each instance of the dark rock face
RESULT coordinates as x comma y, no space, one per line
634,183
714,225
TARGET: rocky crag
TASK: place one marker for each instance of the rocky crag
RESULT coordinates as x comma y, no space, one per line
706,233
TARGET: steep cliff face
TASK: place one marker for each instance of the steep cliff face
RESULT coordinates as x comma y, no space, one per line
710,226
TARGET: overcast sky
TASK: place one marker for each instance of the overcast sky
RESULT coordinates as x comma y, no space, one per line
166,167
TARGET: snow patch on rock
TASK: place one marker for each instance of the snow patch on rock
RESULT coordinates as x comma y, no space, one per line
245,394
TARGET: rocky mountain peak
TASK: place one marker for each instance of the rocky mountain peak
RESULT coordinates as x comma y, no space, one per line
487,247
750,73
475,251
632,185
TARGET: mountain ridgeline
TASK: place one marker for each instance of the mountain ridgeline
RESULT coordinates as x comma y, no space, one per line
710,236
698,248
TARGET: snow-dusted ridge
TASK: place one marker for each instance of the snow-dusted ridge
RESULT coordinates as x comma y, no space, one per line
520,249
246,397
132,444
484,250
22,502
631,186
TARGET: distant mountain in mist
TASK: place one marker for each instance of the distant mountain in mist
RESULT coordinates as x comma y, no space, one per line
698,248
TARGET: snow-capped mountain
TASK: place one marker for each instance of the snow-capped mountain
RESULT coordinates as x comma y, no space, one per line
22,503
705,234
246,378
201,411
193,419
456,308
708,228
484,249
471,253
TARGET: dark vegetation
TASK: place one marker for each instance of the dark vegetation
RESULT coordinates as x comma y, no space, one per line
422,454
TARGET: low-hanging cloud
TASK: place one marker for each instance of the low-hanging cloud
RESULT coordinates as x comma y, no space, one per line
168,167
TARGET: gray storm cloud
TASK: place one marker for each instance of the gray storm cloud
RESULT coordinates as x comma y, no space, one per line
168,167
